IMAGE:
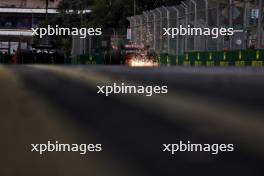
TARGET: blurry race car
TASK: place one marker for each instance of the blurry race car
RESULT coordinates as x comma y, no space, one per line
140,56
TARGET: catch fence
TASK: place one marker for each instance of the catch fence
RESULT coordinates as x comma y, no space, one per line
245,16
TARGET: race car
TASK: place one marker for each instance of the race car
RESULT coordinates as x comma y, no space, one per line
140,56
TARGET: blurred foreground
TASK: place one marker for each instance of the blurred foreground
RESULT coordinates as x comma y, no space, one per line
204,105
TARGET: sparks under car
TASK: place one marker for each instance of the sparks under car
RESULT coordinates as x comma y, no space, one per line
140,56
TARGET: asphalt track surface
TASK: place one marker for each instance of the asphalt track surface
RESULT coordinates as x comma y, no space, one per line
204,105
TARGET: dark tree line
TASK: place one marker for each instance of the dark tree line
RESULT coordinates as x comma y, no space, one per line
105,14
113,13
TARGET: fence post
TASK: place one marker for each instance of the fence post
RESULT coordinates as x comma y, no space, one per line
141,28
168,25
177,25
231,7
245,24
185,7
218,24
195,24
260,24
160,44
132,26
206,23
154,29
146,32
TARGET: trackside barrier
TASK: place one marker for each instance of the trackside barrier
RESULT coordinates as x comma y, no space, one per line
238,58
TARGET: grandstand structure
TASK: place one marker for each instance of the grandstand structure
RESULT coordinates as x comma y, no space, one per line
17,17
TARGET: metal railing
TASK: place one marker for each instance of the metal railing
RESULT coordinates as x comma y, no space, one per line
245,16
